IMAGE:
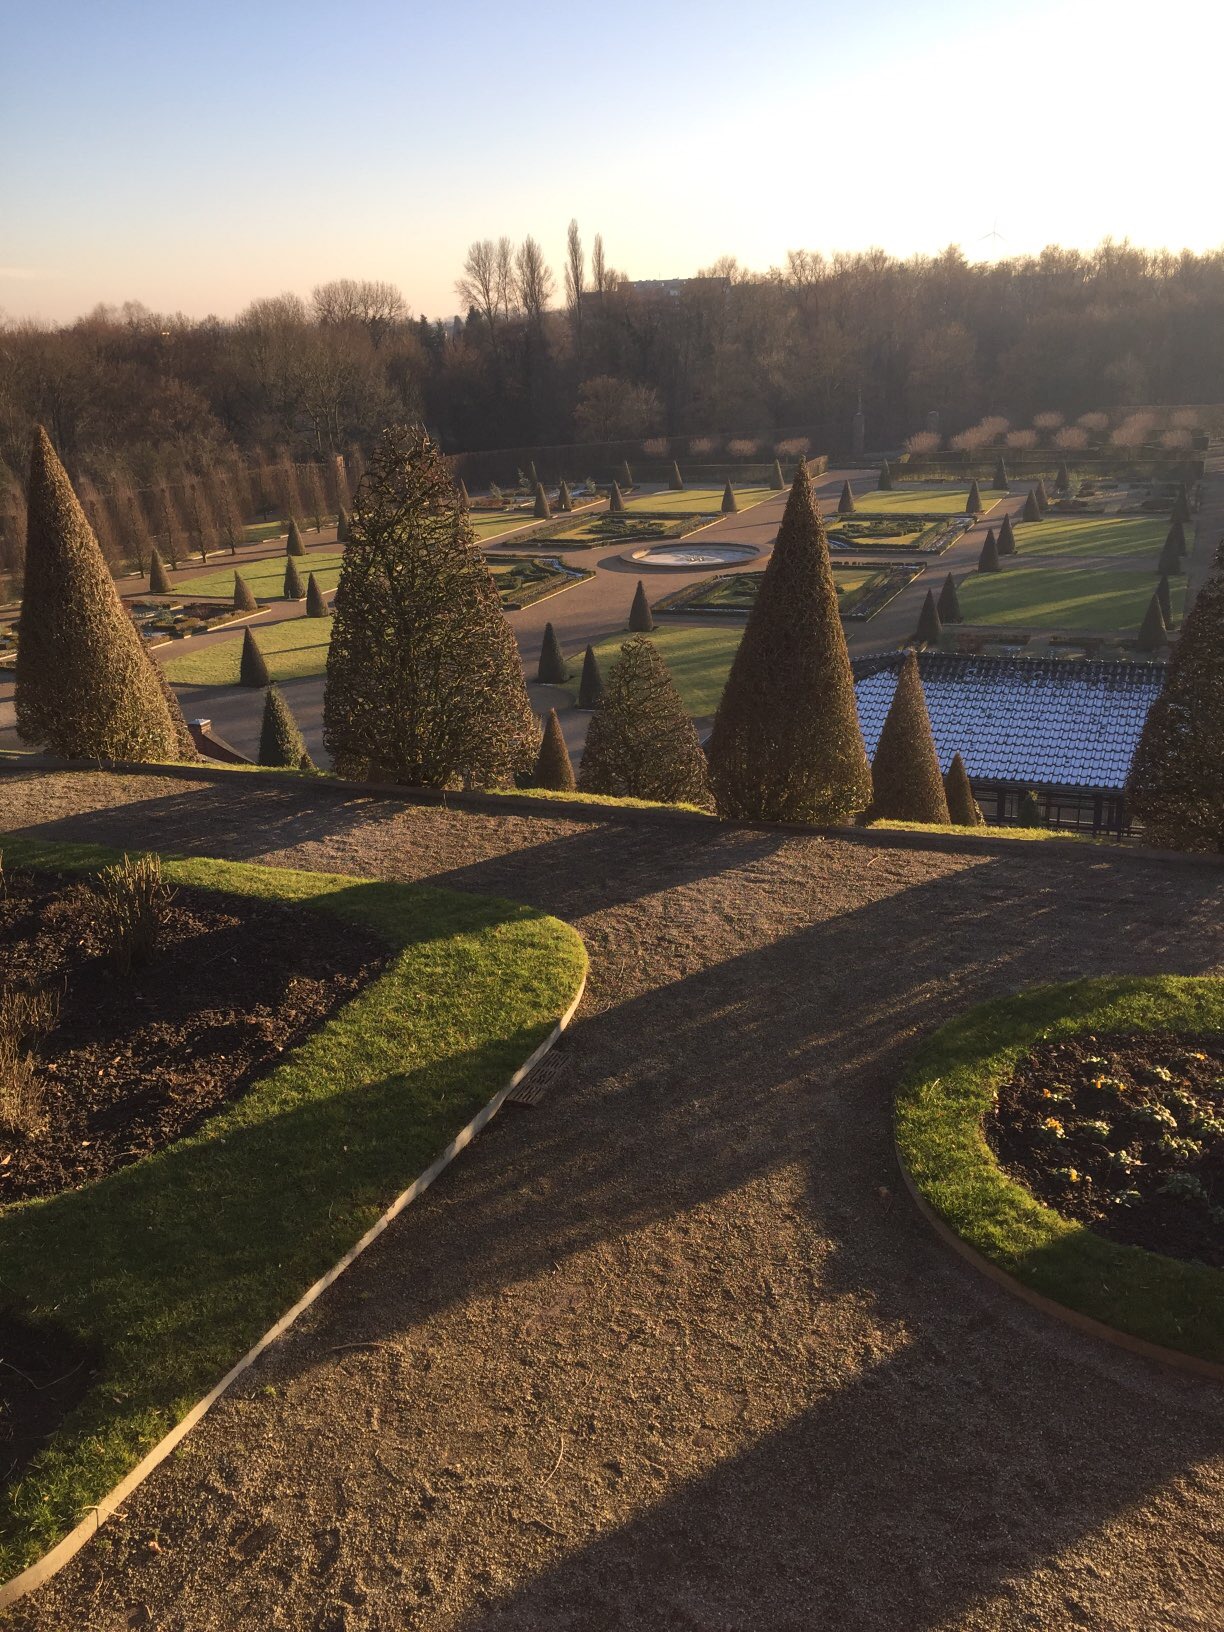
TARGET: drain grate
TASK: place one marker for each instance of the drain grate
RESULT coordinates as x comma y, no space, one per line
552,1070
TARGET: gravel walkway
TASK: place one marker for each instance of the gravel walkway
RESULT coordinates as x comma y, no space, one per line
671,1350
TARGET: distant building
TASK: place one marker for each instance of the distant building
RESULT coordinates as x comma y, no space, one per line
1064,727
673,288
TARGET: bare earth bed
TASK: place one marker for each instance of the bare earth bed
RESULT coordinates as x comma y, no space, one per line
670,1350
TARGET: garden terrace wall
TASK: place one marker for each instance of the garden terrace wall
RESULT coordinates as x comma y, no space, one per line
602,460
1023,465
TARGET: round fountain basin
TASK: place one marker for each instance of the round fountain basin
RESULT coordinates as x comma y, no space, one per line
680,554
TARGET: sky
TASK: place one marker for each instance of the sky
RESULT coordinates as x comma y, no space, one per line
195,155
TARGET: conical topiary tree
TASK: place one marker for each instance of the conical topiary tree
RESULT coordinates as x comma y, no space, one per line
342,526
1170,557
531,474
730,504
1176,781
565,499
316,601
845,504
988,561
1028,812
280,741
159,582
948,604
244,599
641,619
786,744
1153,632
1175,538
591,686
424,681
974,505
86,688
1062,477
553,769
252,666
293,543
1042,497
675,481
465,497
963,808
294,588
616,501
1165,598
905,782
1000,477
552,669
543,510
1007,537
1032,509
626,475
641,743
884,485
930,629
777,482
1181,506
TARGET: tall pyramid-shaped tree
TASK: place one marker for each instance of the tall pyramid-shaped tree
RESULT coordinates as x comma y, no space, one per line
786,744
1000,476
616,501
542,510
948,604
590,687
1032,507
532,478
553,769
1181,506
1062,477
552,669
963,808
777,481
293,543
85,686
316,601
1165,598
905,781
930,629
1007,537
280,741
252,665
641,619
641,743
565,499
1169,559
184,747
675,481
1175,538
159,582
988,561
885,483
465,498
626,475
1153,632
974,505
1043,498
845,504
1176,782
294,588
244,599
342,526
730,504
424,681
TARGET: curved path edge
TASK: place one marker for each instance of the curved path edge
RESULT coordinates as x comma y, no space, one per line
41,1571
1156,1352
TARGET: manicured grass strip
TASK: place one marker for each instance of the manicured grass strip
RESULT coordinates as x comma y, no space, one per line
698,501
1032,835
173,1267
699,660
940,1104
1030,594
943,499
1133,541
293,649
266,578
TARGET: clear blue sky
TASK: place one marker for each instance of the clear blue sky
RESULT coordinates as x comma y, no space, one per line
195,156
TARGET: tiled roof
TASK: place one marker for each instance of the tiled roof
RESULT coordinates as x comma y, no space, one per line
1041,722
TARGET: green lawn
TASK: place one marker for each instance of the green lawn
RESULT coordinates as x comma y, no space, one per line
173,1267
1031,594
940,1105
703,501
265,577
489,526
1131,540
941,499
698,659
293,649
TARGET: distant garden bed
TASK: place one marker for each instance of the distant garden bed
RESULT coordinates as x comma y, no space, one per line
923,535
862,587
524,579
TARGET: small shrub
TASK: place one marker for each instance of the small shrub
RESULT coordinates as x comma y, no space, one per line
132,905
25,1018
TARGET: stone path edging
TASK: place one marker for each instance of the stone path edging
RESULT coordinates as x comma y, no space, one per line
37,1574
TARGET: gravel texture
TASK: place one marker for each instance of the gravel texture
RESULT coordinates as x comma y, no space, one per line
671,1350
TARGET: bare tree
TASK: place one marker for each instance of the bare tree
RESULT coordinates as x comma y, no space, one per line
478,287
599,268
533,280
575,279
378,307
503,277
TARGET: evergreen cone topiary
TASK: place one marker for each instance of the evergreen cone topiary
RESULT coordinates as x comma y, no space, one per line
845,504
159,583
1028,813
1007,537
1169,559
616,502
884,485
1181,506
786,744
543,510
1043,498
591,686
316,601
565,499
730,505
1175,538
294,589
930,630
1153,633
244,600
974,505
1000,477
777,481
553,769
905,780
988,561
293,543
963,808
252,669
675,481
1062,478
641,743
465,497
626,475
280,741
1165,598
641,619
1176,781
86,688
531,473
342,526
552,669
1032,509
949,602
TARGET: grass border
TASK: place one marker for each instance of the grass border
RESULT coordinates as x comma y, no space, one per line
1150,1301
476,986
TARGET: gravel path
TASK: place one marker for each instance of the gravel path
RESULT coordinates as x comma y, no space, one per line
671,1350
